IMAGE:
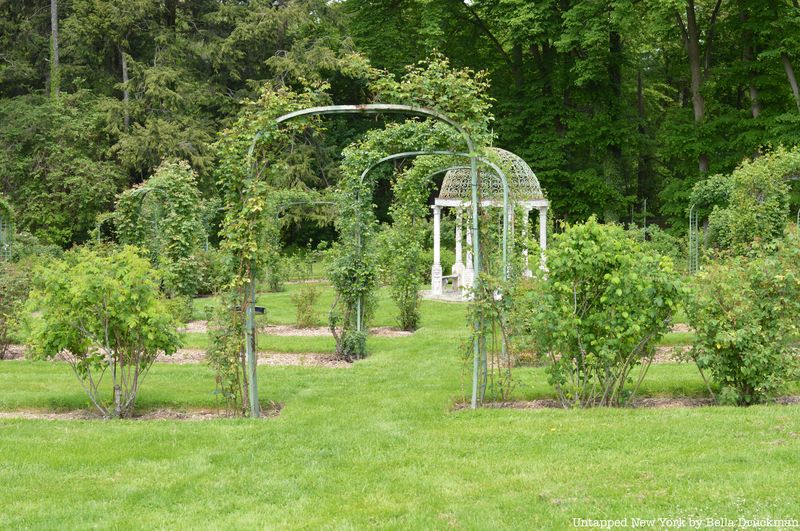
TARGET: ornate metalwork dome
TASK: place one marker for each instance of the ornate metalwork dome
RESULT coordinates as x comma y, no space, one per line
522,182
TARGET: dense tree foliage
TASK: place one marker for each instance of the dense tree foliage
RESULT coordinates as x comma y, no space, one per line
164,215
612,103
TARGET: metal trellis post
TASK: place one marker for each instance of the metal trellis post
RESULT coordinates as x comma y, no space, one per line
378,108
694,238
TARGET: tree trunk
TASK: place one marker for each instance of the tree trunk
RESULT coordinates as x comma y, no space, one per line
55,73
617,165
170,13
693,50
787,66
747,56
516,54
117,401
643,172
125,91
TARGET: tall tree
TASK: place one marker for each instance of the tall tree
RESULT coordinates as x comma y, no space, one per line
691,34
55,71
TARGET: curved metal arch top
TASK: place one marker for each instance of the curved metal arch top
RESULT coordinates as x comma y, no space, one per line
483,160
377,108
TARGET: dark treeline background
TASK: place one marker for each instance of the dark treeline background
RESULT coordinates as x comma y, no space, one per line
611,102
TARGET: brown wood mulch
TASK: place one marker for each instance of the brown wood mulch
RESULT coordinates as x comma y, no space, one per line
641,403
303,359
268,411
200,327
188,356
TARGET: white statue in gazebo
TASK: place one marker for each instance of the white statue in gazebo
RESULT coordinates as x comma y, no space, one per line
526,192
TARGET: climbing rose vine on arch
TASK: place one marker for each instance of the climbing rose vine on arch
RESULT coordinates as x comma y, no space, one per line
164,215
460,95
251,176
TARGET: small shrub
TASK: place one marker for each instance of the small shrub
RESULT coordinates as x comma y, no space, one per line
353,276
164,215
745,314
14,288
213,272
598,315
756,204
275,274
354,345
407,272
226,353
26,246
663,243
304,300
181,308
104,312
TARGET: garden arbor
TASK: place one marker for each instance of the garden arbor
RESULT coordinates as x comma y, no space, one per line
526,192
164,215
479,351
501,197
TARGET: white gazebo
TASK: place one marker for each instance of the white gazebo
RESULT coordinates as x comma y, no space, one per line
524,191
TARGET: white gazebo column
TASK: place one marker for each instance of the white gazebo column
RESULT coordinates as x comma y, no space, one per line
525,235
543,235
469,272
436,270
458,267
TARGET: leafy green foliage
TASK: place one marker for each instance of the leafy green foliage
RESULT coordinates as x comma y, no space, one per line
56,171
745,315
403,254
434,83
213,271
661,242
226,352
103,312
164,215
493,301
598,312
304,300
252,179
26,246
15,279
758,201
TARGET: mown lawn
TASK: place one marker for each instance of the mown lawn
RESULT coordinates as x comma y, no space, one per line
378,445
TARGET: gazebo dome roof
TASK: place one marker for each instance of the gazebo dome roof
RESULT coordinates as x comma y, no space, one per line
522,182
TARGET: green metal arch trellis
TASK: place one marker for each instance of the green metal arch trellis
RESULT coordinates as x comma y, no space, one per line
500,173
376,108
506,269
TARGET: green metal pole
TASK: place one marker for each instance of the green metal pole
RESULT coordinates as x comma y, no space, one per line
476,261
407,109
250,347
359,301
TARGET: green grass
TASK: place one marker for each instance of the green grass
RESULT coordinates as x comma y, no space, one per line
674,339
378,445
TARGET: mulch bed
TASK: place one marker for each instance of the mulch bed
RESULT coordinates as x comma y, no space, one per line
188,356
670,354
641,403
281,359
201,327
323,331
15,352
268,411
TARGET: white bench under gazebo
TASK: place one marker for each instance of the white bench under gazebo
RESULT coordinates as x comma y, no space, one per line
527,194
